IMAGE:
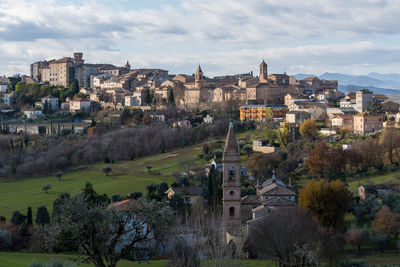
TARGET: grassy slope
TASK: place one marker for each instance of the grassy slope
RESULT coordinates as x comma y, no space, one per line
378,179
126,177
18,259
24,259
353,183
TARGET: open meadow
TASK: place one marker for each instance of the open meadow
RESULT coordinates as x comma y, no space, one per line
126,177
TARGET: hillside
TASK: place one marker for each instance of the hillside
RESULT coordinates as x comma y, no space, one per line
126,177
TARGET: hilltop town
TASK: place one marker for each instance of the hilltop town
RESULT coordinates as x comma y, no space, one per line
69,86
184,169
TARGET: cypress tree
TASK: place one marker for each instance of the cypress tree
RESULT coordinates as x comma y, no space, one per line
29,219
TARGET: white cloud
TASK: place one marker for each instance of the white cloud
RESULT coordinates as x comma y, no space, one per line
225,35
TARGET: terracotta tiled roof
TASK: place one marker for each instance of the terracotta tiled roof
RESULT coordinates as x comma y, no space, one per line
251,199
276,190
80,100
187,190
126,204
279,201
380,96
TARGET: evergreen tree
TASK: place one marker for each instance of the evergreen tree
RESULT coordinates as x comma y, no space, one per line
75,87
162,188
171,98
29,219
17,218
147,96
42,216
46,108
125,116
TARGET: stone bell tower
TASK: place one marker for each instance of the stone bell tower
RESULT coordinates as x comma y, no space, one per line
263,72
231,185
198,77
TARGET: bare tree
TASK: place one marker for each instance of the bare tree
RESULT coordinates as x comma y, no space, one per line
106,235
289,235
204,232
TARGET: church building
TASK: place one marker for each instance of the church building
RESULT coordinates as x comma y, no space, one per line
241,211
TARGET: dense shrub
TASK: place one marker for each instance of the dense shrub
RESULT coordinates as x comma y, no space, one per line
5,240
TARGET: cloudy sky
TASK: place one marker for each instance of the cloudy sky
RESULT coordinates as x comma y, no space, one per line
225,36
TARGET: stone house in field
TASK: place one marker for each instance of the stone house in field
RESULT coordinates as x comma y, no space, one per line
191,194
263,146
366,122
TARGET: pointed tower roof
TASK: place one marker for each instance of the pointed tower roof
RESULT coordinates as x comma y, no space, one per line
231,146
263,63
199,69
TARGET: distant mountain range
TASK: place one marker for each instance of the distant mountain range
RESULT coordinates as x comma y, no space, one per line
378,83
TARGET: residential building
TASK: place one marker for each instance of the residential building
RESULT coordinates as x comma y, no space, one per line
131,100
191,194
380,97
208,119
181,123
4,83
32,113
262,112
313,84
367,122
364,97
64,71
79,104
52,101
389,106
343,121
8,99
297,117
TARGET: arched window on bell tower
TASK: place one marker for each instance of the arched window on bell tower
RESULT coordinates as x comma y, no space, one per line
231,173
231,212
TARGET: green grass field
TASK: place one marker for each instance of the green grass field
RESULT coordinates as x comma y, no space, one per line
126,177
353,183
378,179
19,259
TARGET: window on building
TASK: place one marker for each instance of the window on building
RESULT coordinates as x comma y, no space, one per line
231,211
231,173
232,193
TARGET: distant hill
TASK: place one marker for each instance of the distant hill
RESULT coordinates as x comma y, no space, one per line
302,76
379,83
376,90
390,81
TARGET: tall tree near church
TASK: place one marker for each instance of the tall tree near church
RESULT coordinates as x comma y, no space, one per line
328,201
